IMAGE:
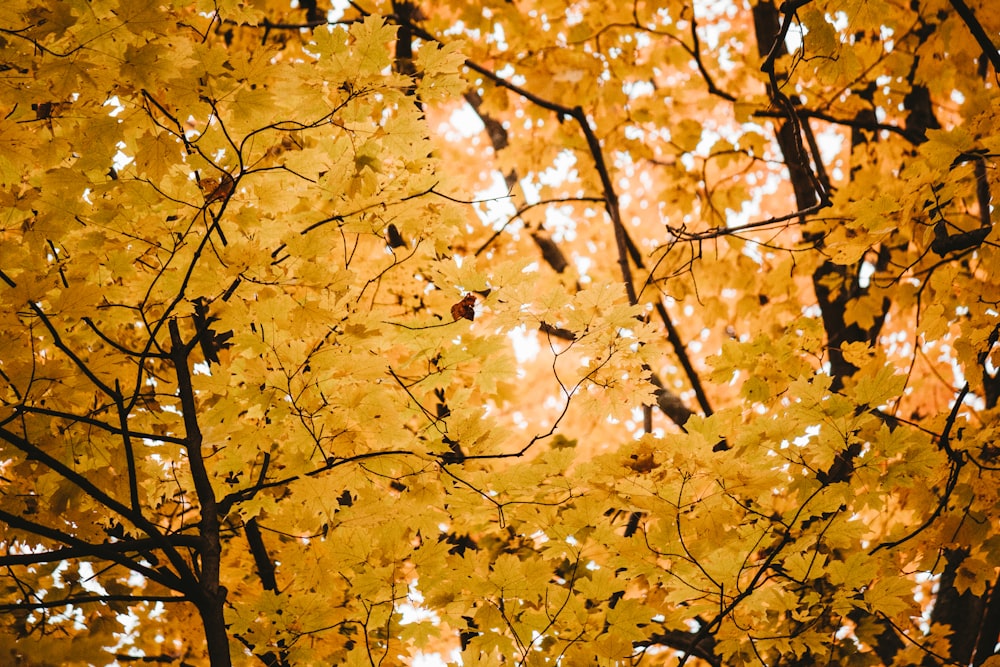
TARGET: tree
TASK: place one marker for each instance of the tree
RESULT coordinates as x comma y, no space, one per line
259,400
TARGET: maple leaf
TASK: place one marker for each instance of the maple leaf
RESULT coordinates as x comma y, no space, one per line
464,308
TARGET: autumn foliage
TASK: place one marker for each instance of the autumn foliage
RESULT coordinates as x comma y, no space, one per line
518,332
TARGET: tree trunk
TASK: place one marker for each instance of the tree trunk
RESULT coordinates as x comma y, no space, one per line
216,635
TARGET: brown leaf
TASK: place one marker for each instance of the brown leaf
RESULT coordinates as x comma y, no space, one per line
465,308
216,189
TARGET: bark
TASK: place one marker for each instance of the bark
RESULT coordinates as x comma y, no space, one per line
962,612
832,304
211,595
989,631
216,634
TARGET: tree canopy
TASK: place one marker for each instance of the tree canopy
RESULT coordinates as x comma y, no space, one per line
519,332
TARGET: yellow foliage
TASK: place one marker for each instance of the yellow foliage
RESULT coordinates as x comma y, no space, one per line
511,333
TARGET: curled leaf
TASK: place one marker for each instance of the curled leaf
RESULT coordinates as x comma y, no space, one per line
465,308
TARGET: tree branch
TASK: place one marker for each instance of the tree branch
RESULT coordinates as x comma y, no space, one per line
58,342
681,351
133,477
142,545
34,453
969,18
265,566
88,599
682,641
212,594
100,551
90,421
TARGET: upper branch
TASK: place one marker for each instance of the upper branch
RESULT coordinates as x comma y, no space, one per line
102,551
989,49
88,599
90,551
179,353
